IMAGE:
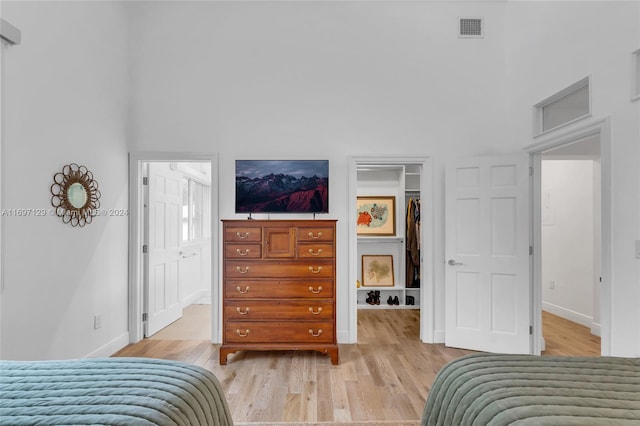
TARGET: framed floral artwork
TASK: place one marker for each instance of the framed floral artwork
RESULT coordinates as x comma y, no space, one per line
377,270
376,216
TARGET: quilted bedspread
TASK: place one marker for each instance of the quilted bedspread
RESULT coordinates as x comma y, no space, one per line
489,389
110,391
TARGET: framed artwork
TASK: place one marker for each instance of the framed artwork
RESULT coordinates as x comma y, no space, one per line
377,270
376,216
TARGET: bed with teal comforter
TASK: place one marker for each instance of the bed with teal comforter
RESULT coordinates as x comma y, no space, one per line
489,389
110,391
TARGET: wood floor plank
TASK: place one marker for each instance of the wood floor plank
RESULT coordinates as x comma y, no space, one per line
325,394
385,377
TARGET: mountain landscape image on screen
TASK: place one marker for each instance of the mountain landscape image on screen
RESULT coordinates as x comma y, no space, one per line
264,186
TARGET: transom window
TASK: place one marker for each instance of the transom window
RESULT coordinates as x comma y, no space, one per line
566,106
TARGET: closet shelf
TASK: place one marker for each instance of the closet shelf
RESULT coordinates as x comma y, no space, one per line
380,239
386,306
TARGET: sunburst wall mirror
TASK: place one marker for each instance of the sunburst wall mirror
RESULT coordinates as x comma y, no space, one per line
75,195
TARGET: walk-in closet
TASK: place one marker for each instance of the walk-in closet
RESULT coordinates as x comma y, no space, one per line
388,236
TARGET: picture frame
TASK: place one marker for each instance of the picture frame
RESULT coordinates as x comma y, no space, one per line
376,215
377,270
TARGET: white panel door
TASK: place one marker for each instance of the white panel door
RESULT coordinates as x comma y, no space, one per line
164,210
487,255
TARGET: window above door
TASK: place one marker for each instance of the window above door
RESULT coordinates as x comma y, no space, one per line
565,107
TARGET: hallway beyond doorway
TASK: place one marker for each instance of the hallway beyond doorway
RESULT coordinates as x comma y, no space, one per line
565,338
195,324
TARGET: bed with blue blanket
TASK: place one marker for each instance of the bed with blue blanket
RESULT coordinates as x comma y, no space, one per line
112,391
490,389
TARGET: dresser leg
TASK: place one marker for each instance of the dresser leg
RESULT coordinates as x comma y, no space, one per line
223,356
334,356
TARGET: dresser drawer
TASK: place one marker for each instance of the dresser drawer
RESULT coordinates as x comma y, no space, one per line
315,250
269,331
274,289
316,233
311,268
244,233
242,251
307,310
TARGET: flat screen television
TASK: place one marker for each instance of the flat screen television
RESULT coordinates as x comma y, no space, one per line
282,186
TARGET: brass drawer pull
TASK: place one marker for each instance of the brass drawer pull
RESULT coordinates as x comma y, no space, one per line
245,291
315,291
242,271
315,253
243,236
315,271
245,312
312,311
314,236
241,333
243,253
312,333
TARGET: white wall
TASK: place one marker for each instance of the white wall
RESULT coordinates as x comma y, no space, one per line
65,100
552,45
320,80
568,239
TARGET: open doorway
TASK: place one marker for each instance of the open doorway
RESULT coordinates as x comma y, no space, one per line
589,142
571,243
173,265
400,182
177,228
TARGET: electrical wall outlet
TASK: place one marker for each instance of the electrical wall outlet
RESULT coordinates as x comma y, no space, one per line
97,322
637,249
552,284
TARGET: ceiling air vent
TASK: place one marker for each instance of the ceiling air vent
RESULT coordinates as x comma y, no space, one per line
470,28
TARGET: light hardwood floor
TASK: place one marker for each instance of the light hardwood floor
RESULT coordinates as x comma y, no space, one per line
384,377
566,338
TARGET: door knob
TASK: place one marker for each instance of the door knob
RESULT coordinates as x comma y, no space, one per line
452,262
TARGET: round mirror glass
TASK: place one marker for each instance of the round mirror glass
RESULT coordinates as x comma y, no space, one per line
77,195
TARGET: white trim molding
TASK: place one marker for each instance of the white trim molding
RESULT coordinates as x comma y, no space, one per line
538,109
111,347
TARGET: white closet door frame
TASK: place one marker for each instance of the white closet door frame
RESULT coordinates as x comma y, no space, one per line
427,265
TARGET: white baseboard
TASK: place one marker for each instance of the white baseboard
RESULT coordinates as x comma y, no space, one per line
202,297
343,337
568,314
110,348
439,336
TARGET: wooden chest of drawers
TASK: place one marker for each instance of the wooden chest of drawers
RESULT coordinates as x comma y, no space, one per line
279,286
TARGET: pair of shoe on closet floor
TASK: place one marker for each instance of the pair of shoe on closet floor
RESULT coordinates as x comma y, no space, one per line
393,300
374,298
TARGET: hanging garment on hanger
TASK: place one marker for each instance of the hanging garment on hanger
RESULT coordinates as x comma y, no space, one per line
412,277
